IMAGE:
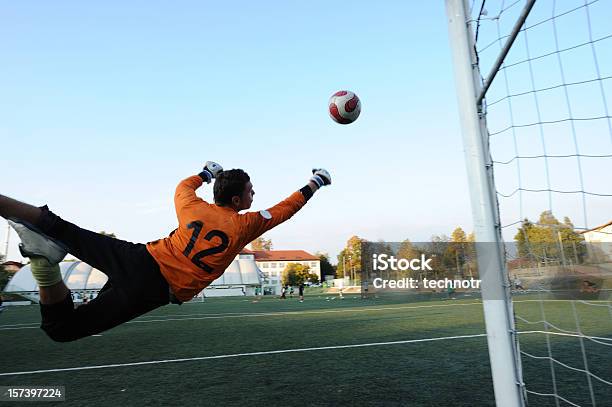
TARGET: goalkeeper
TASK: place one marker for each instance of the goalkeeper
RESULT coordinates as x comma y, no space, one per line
144,277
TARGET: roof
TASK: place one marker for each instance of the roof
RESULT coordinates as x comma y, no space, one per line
76,274
597,228
275,255
239,272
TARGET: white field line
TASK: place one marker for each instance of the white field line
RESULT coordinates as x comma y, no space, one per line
602,338
604,302
290,313
201,316
259,314
237,355
273,352
27,324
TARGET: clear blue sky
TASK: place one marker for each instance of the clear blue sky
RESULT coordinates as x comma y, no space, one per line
106,106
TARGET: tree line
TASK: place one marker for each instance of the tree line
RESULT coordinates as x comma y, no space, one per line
546,241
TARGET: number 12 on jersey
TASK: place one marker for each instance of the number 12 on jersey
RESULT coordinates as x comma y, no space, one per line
197,258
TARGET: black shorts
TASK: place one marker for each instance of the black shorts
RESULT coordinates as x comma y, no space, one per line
135,284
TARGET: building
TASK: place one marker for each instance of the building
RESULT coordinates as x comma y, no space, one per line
599,234
242,277
273,262
246,275
599,240
79,277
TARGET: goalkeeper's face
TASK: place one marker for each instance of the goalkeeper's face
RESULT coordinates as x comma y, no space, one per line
246,199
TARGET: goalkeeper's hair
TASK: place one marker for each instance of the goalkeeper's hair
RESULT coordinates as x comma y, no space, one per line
229,184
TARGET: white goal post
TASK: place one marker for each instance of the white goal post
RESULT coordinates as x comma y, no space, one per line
502,344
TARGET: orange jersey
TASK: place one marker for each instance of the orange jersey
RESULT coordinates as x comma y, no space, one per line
209,237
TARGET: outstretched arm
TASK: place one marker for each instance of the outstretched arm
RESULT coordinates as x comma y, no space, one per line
185,191
257,223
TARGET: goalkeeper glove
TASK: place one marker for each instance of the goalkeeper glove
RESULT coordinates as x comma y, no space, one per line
321,177
210,171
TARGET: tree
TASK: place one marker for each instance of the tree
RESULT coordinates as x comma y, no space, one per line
550,241
522,240
110,234
261,244
296,274
457,249
441,258
340,268
458,235
350,257
407,251
470,255
326,267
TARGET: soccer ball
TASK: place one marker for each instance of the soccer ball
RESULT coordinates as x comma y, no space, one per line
344,107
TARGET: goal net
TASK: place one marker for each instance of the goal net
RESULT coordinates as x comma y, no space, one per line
534,82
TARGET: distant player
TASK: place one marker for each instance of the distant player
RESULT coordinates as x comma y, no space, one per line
283,292
364,289
144,277
450,292
301,291
518,284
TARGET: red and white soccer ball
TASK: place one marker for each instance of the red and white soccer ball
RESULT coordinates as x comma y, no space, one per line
344,107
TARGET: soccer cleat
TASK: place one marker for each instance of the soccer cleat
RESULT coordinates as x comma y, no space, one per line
35,244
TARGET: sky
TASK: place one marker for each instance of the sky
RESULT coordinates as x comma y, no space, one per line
106,106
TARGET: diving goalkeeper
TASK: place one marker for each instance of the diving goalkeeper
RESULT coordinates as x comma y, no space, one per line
144,277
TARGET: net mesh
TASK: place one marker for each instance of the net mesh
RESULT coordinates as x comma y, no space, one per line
550,138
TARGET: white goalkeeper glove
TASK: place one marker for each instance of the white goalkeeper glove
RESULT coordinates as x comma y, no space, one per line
210,171
321,177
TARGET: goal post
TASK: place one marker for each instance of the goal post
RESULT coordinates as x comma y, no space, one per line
502,344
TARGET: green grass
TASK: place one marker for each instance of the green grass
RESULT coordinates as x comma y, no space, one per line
447,372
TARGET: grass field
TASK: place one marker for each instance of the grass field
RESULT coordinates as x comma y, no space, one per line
232,351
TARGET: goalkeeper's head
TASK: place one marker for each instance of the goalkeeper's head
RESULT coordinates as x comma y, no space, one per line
233,189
